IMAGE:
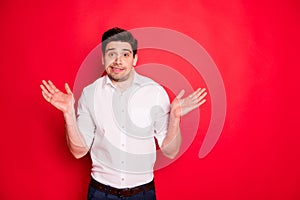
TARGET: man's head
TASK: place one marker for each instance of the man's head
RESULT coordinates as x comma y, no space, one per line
121,35
119,56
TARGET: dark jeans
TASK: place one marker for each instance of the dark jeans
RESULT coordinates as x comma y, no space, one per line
94,194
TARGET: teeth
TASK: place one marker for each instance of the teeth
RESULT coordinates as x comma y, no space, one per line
116,68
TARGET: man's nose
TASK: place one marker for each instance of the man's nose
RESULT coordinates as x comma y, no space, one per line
118,59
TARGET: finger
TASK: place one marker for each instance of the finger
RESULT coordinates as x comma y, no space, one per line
53,86
180,94
44,83
48,86
197,93
198,104
202,90
46,97
194,94
68,90
201,102
200,98
44,90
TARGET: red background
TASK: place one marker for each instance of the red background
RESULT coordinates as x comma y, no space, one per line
253,43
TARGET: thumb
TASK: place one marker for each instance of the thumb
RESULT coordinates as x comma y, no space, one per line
69,91
180,94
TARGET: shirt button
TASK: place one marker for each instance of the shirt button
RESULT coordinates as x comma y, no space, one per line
123,179
122,162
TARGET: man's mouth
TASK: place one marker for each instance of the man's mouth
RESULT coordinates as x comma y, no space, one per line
116,69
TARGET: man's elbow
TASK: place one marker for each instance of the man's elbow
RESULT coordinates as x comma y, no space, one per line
170,155
79,154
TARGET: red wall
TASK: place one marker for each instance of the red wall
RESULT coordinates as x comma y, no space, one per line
254,45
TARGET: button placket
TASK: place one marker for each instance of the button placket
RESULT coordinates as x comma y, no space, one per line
123,103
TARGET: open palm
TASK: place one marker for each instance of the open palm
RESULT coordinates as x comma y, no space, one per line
62,101
181,106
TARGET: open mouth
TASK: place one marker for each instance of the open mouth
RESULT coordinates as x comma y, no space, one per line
116,69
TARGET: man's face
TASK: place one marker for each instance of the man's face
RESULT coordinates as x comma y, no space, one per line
118,61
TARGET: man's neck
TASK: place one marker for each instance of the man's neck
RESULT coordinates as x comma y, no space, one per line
123,85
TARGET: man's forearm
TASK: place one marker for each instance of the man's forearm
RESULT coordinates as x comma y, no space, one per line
74,140
172,142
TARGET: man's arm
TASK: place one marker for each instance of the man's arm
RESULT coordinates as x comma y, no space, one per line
180,107
74,140
172,142
65,103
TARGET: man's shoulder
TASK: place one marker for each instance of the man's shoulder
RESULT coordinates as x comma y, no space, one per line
92,86
145,80
150,84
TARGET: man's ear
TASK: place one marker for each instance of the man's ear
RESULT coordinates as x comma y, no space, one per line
135,59
102,60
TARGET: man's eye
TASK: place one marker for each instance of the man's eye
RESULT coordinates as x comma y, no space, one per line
125,54
111,54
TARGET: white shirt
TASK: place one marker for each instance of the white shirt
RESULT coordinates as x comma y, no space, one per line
120,128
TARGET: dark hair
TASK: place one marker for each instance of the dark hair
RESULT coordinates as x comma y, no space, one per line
118,34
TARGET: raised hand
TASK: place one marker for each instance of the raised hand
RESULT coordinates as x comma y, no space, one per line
181,107
62,101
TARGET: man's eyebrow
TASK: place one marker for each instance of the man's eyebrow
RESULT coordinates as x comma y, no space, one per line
127,50
110,49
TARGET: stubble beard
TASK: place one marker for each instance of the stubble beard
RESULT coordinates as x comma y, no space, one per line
115,79
121,79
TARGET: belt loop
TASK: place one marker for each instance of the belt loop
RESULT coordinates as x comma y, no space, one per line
106,190
144,190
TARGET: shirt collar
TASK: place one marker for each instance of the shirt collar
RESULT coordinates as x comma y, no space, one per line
136,80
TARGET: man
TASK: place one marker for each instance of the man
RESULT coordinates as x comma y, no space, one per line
118,117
